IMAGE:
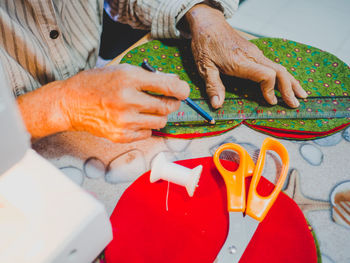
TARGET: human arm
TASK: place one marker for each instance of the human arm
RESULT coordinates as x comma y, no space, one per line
217,47
111,102
161,16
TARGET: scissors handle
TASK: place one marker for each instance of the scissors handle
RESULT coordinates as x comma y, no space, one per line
234,180
258,206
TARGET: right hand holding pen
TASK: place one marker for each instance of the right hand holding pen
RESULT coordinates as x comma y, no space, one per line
113,102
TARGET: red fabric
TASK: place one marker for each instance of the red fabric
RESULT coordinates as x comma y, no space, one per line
276,132
295,134
192,135
194,229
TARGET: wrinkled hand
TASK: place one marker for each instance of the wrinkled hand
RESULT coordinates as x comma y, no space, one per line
113,102
217,47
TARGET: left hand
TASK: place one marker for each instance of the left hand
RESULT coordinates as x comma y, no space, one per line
217,47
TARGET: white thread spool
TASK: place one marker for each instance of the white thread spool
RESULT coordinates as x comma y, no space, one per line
175,173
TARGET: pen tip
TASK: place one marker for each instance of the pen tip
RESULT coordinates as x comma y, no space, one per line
212,121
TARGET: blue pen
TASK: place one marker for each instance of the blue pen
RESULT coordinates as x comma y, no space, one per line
188,101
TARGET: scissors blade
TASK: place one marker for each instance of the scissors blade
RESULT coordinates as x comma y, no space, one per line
234,245
250,225
241,231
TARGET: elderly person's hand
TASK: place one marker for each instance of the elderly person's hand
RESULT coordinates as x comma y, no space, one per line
115,102
217,47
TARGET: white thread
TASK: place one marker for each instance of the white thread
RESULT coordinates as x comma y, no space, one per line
175,173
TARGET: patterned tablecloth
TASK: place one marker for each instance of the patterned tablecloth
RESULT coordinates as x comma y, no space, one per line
319,172
320,73
319,176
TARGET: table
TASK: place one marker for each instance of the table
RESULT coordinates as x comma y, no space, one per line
317,169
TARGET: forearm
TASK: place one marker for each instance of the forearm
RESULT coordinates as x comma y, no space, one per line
42,110
202,16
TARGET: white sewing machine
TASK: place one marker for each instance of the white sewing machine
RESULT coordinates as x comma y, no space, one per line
44,216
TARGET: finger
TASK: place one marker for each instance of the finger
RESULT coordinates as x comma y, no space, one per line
164,84
158,105
298,90
140,121
261,74
126,136
214,87
284,85
287,84
149,121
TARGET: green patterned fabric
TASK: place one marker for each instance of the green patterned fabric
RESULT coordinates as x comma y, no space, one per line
320,74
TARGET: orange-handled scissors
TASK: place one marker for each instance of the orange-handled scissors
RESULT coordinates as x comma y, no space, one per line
242,228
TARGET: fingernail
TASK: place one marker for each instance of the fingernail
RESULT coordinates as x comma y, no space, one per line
215,101
304,94
274,100
171,75
296,102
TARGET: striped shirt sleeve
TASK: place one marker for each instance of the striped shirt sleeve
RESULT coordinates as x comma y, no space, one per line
47,40
161,16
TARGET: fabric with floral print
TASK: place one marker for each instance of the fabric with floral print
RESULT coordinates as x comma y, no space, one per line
320,74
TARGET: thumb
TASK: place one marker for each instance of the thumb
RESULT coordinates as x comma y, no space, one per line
214,87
